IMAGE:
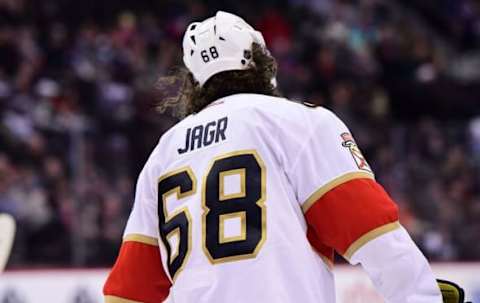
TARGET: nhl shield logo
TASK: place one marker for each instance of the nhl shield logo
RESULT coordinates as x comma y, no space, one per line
357,155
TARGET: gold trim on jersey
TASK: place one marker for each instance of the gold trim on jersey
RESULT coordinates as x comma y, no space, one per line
175,232
141,239
184,209
242,215
176,190
370,236
189,245
114,299
260,203
221,192
331,185
326,260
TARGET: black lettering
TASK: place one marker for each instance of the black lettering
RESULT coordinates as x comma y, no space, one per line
187,142
209,135
196,137
204,135
221,128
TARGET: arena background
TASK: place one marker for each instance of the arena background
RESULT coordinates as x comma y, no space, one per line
78,120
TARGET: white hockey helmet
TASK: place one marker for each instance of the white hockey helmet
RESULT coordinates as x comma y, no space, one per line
218,44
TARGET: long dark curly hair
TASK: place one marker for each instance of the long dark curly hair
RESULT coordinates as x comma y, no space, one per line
181,95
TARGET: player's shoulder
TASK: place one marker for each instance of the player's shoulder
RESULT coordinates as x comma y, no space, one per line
251,106
258,111
285,110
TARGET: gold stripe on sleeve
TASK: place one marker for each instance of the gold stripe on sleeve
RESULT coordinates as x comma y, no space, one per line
331,185
370,236
141,239
113,299
327,261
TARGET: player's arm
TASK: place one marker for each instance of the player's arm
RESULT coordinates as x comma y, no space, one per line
348,211
359,220
138,274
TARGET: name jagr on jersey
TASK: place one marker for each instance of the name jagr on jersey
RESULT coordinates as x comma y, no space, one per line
204,135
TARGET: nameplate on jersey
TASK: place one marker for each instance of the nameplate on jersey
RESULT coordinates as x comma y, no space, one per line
204,135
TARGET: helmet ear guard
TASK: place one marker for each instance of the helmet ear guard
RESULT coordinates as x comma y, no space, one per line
220,43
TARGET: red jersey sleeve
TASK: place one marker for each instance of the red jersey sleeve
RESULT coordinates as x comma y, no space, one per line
138,274
349,215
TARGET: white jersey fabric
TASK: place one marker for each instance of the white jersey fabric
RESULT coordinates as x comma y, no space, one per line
234,227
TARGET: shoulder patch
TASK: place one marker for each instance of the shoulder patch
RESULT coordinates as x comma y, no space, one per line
349,142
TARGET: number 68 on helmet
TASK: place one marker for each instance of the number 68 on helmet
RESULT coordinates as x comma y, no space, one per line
218,44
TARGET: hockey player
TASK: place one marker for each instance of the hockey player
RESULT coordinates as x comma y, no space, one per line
248,197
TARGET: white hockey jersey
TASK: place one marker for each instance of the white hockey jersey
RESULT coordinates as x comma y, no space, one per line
246,202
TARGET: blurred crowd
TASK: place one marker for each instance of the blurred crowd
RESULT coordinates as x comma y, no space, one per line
78,119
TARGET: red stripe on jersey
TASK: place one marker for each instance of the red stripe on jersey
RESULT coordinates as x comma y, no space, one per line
138,274
347,212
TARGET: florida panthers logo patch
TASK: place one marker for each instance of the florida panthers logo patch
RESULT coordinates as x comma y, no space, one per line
357,155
